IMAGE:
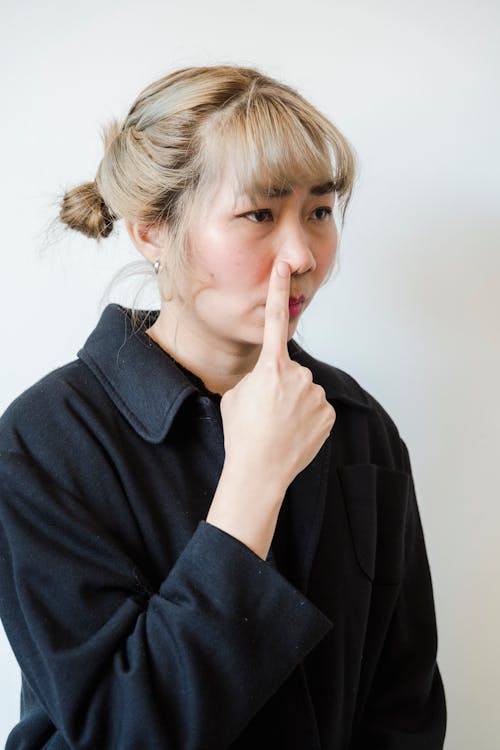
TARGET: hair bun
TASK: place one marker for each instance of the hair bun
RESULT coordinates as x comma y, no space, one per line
84,210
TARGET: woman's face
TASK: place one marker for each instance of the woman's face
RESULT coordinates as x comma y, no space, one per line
233,246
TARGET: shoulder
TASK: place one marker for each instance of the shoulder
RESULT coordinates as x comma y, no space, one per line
51,411
53,389
58,443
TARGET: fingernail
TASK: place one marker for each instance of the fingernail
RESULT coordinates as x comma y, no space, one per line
282,268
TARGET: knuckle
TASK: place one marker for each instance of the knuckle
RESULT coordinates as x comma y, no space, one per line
271,365
319,392
277,313
306,374
227,398
332,414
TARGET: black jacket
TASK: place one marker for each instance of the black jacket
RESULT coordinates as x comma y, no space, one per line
137,624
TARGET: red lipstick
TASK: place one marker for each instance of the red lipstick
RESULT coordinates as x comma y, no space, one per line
295,305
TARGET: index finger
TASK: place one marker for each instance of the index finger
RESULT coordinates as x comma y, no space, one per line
277,313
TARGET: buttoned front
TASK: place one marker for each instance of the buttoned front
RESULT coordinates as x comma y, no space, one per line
137,624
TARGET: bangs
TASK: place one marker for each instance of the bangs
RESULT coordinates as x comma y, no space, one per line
272,145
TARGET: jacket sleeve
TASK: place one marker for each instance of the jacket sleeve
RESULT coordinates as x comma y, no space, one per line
116,664
406,706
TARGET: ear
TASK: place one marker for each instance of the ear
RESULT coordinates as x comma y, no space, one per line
149,241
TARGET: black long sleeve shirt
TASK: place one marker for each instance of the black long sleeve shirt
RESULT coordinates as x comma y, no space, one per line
137,624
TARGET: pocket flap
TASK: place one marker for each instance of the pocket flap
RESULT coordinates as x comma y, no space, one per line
376,499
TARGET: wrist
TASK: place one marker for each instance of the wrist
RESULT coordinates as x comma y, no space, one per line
246,509
256,478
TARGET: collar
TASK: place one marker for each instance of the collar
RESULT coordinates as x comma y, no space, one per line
148,387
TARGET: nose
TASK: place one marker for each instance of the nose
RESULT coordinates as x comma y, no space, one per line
294,248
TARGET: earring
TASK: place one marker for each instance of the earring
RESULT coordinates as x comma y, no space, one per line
157,266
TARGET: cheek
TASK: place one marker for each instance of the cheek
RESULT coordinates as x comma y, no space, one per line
247,269
235,269
327,261
326,258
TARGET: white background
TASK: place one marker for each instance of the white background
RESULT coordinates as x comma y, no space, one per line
413,311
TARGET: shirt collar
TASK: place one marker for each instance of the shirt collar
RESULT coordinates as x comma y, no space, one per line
148,387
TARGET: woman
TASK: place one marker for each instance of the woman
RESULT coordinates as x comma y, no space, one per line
211,539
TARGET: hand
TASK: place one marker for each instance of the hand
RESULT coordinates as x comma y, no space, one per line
276,418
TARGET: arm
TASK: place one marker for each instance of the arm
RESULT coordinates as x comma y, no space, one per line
116,664
406,707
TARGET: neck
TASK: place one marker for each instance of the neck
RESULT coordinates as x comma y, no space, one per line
220,364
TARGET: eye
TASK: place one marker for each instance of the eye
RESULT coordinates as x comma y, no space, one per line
260,215
261,212
328,210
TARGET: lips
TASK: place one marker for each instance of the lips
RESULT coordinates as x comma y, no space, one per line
295,305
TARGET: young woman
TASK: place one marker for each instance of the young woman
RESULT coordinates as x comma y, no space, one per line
210,539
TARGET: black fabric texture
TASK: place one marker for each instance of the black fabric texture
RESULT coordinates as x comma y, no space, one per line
137,624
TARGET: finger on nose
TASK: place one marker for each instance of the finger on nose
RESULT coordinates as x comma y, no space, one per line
283,268
277,313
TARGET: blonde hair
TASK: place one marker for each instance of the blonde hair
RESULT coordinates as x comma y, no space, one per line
161,161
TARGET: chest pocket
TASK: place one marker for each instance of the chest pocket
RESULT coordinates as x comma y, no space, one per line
376,499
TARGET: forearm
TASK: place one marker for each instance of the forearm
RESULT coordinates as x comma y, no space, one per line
172,652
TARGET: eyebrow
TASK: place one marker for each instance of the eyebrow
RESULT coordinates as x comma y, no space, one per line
279,192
